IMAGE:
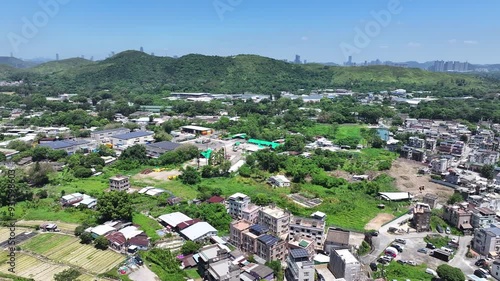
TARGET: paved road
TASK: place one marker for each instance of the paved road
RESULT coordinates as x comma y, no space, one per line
384,239
143,274
18,239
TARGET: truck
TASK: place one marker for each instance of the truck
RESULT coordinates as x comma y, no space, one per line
442,255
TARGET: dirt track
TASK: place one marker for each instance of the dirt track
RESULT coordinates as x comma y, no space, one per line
407,179
378,221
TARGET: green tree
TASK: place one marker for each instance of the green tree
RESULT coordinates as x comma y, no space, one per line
79,230
449,273
455,198
69,274
2,157
190,247
190,176
277,269
82,172
86,238
115,206
42,194
487,171
135,153
101,242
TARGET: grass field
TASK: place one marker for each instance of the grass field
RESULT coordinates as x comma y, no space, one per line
344,207
63,226
148,225
397,271
67,249
30,267
193,274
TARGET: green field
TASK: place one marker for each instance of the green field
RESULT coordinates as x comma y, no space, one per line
68,250
148,225
397,271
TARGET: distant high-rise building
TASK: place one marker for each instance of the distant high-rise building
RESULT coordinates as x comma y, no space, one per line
11,55
349,61
305,61
142,49
57,56
297,59
152,54
92,58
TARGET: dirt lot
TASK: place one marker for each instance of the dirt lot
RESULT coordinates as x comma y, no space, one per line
407,179
378,221
156,175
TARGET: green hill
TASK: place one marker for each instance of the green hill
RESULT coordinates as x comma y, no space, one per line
15,62
140,72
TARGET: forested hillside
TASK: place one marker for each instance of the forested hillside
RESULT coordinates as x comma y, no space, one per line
138,72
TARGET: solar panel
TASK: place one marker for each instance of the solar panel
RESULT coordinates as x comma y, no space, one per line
259,229
299,253
268,239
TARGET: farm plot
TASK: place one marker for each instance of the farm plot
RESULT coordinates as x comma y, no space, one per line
30,267
67,249
65,227
5,232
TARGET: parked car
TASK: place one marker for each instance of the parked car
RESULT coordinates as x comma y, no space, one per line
382,261
401,241
373,266
431,246
439,228
399,248
413,263
374,233
139,261
401,261
480,262
448,230
422,250
480,273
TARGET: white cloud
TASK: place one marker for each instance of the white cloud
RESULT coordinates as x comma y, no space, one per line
452,41
471,42
414,45
383,47
304,38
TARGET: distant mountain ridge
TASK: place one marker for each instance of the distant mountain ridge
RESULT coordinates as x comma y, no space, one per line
135,71
16,63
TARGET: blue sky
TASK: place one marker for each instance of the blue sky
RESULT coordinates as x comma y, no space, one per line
318,30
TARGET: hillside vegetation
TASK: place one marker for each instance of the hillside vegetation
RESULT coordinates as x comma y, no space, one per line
139,72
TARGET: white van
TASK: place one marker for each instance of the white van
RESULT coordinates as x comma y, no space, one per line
431,271
447,250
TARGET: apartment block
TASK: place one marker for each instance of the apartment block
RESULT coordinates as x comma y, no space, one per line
119,183
251,213
276,219
482,217
236,203
309,228
236,230
486,240
344,265
299,266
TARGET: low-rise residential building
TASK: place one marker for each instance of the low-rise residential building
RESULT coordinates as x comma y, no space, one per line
223,270
486,241
309,228
236,203
257,272
156,149
336,239
236,230
279,181
416,142
344,265
459,216
276,219
299,266
119,183
199,231
172,220
104,136
251,213
495,269
483,157
123,141
422,217
270,248
431,200
209,255
71,199
482,217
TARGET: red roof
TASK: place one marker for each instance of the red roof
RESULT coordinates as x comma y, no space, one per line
185,224
215,199
140,240
116,237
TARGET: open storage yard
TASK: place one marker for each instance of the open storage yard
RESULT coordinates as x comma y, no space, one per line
67,249
408,180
